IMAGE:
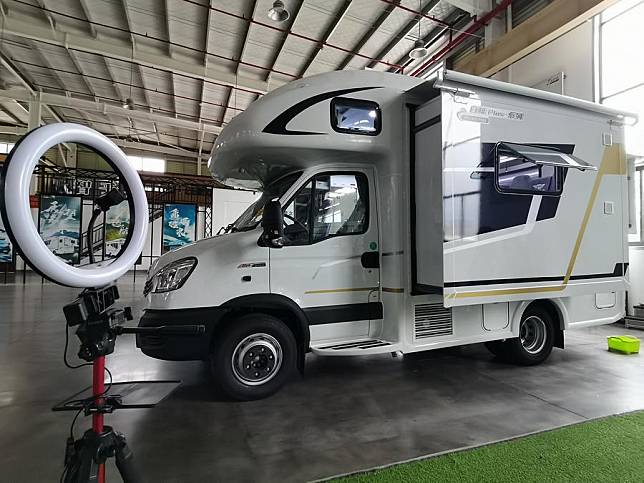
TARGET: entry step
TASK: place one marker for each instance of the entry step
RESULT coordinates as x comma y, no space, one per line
354,347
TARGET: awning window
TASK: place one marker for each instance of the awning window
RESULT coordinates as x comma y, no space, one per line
547,157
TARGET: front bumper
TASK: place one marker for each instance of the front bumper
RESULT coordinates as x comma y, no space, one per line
179,347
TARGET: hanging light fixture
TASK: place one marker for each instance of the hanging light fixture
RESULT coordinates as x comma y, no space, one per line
129,102
419,51
278,13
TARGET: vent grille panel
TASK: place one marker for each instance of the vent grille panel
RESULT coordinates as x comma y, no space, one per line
432,320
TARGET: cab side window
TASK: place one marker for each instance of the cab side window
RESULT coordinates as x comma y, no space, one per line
331,204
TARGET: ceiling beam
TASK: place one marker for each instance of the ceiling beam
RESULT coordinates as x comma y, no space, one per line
15,130
545,26
25,27
403,32
85,9
206,42
166,13
242,51
155,148
342,11
10,114
108,109
183,153
367,36
7,64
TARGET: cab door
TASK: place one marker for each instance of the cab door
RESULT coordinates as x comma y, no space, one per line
329,262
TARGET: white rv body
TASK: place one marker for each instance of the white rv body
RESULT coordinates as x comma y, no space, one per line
444,257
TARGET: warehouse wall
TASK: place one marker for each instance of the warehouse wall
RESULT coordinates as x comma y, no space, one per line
572,53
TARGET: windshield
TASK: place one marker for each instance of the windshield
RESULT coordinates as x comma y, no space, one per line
253,214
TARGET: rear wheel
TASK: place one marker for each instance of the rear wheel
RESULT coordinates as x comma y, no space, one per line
253,357
536,338
535,341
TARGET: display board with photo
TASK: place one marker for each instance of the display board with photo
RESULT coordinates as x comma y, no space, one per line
179,225
117,225
59,224
6,249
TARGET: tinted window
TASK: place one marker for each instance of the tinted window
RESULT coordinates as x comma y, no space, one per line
340,205
518,174
328,205
355,116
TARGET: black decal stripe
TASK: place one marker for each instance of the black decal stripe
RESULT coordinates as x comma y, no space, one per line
333,314
619,271
278,125
488,209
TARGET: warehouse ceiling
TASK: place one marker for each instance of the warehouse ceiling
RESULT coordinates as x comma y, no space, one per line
189,66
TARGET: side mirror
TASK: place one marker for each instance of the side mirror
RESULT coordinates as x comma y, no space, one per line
273,225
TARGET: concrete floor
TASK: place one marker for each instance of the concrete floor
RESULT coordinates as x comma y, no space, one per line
346,414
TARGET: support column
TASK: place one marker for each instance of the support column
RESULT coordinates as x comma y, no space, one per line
35,114
71,156
495,29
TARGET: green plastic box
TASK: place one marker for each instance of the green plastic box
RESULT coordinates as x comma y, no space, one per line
624,344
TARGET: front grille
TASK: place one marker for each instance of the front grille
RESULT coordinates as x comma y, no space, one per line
432,320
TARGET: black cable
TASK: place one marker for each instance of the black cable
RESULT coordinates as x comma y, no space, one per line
67,364
71,427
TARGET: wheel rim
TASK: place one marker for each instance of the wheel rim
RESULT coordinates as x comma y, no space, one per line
257,359
533,334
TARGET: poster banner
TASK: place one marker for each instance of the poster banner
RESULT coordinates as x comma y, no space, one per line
59,224
179,225
117,225
6,250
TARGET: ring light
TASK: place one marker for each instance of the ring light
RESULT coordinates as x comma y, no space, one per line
14,204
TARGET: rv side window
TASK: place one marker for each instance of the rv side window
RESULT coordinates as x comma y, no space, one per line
355,116
330,204
520,175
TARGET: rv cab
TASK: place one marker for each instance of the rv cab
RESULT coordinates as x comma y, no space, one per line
400,214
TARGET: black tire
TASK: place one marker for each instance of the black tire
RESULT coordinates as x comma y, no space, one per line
250,376
536,338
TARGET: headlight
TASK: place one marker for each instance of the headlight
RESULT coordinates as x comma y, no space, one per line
173,276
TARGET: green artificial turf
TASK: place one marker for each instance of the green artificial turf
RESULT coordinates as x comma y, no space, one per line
605,450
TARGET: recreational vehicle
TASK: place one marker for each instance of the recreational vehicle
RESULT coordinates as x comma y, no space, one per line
398,215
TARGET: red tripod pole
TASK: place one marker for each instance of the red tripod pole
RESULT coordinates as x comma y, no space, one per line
98,388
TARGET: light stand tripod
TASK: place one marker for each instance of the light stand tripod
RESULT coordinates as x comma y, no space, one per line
99,323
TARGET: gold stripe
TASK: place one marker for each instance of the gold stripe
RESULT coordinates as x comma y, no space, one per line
338,290
613,162
393,290
509,291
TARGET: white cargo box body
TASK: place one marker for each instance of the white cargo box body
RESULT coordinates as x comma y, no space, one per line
533,202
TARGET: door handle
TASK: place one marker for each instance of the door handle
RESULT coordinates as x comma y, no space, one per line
370,259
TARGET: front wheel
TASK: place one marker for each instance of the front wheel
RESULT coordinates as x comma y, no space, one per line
253,357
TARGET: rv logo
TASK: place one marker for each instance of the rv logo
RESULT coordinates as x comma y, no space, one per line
497,113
